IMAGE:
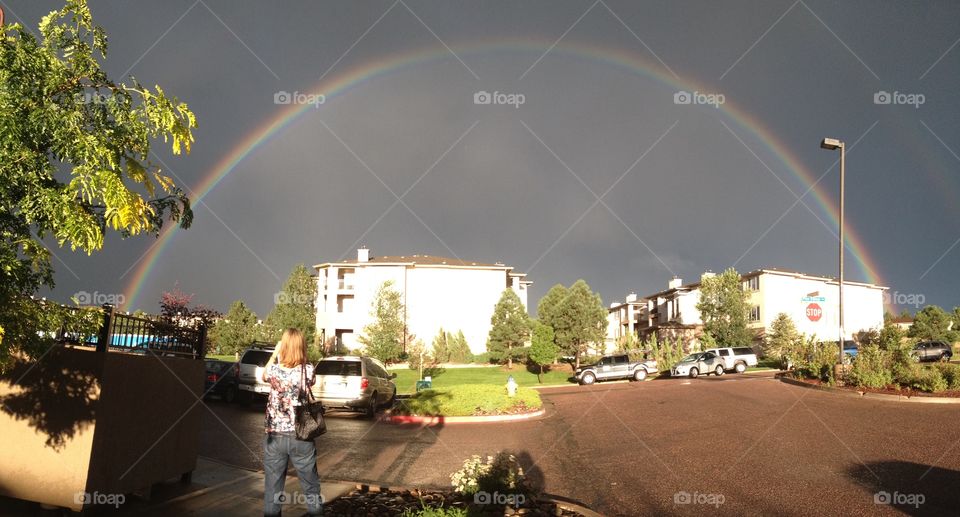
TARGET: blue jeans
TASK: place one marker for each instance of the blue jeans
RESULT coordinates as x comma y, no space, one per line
277,448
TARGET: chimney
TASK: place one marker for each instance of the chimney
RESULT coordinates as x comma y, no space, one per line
674,283
363,255
632,297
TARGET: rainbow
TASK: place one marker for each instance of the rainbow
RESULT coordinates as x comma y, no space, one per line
338,85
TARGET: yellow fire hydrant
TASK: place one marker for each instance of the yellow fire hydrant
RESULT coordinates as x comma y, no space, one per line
511,386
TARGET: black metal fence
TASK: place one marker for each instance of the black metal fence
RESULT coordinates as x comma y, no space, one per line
148,336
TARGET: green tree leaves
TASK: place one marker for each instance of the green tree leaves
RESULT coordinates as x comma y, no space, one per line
384,337
723,309
577,316
294,306
509,329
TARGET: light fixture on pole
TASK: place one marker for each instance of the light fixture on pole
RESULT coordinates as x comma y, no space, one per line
832,144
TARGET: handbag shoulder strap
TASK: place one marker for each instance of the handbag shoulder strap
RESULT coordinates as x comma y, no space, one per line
305,392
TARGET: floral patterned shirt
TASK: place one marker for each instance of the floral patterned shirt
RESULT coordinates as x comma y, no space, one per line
284,396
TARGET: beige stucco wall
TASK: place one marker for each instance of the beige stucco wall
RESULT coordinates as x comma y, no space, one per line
80,421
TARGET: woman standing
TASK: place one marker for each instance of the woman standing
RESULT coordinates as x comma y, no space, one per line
288,372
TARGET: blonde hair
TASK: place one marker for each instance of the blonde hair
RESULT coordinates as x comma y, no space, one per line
293,349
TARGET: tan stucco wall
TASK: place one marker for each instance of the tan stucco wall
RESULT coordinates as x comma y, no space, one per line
134,412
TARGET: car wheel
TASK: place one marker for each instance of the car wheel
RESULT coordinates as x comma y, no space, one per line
694,373
230,395
718,371
945,357
639,374
740,367
588,378
371,410
393,400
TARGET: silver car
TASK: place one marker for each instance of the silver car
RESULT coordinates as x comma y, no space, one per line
354,383
699,363
250,373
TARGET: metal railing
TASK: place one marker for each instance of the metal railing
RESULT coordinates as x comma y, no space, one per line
148,336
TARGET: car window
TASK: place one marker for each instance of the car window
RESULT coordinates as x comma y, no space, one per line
374,370
742,350
724,352
343,368
620,359
257,357
708,356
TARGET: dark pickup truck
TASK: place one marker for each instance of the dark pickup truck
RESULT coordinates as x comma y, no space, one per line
617,366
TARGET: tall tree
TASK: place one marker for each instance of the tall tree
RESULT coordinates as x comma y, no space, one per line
75,161
577,316
543,350
934,324
509,329
458,348
441,346
723,309
384,337
294,306
237,329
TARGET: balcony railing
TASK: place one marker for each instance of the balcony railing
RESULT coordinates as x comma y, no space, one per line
346,284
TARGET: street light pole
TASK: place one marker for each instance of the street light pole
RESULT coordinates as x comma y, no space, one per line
834,144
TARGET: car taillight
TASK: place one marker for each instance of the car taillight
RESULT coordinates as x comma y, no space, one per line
236,370
364,383
212,377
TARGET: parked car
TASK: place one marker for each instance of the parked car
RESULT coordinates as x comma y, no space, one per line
737,359
221,380
932,351
699,363
354,383
617,366
250,371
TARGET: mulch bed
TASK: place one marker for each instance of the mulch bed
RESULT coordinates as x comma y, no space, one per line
889,390
370,501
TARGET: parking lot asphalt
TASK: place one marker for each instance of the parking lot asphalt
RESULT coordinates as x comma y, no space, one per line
737,444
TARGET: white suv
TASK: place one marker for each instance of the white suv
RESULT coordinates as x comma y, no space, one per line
250,372
354,383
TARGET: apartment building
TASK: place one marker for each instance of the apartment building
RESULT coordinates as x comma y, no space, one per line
438,292
811,302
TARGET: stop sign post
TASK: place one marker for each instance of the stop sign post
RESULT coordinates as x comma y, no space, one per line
814,312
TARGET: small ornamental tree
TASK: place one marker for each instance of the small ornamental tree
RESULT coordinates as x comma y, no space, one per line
236,330
458,348
543,350
783,337
384,337
510,328
723,308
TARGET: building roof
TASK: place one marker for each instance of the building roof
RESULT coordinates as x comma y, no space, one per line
423,260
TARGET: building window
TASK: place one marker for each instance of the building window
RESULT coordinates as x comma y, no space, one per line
755,313
752,283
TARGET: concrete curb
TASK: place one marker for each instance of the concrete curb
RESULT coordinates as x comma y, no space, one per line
869,395
563,502
434,420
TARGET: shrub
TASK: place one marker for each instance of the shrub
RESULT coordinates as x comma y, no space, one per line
483,358
470,400
926,379
427,511
501,473
815,360
871,368
951,374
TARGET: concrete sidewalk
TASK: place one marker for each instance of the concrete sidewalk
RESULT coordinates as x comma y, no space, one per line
220,489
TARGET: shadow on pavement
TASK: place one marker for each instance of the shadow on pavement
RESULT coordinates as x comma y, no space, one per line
912,488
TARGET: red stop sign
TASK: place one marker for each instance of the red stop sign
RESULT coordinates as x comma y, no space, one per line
814,312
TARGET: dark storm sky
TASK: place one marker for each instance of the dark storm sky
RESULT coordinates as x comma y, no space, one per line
683,188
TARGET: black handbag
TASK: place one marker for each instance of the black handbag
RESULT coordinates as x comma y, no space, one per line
309,413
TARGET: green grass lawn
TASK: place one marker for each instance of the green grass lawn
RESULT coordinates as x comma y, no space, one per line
225,357
470,400
407,379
